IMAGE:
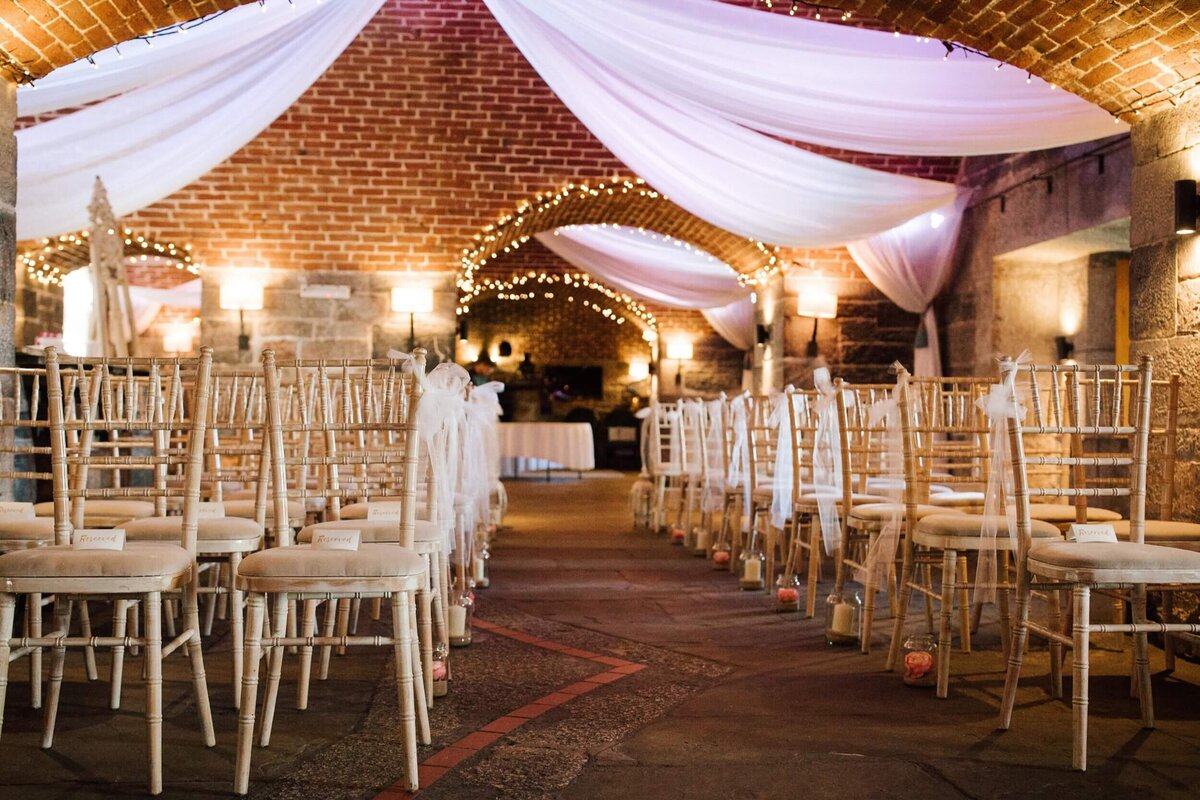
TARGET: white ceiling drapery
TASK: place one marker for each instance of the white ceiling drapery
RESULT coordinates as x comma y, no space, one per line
161,133
831,85
660,269
719,170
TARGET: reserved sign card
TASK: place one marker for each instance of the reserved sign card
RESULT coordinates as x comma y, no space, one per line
15,511
383,512
1093,532
335,540
89,539
210,511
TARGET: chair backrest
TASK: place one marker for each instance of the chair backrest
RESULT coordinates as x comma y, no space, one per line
866,453
1081,402
762,437
23,421
100,400
798,432
944,433
356,440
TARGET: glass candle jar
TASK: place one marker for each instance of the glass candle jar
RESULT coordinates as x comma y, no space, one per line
703,541
750,568
441,670
919,662
787,593
843,618
460,615
479,568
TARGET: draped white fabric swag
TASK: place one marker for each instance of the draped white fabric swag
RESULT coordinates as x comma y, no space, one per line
661,270
170,122
832,85
720,170
910,264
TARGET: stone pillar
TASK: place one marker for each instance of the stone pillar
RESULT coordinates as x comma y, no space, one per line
8,219
1164,278
769,312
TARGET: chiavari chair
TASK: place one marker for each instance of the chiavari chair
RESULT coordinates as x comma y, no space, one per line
1090,407
140,572
308,572
752,467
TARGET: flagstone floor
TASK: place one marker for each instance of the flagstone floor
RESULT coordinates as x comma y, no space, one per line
609,664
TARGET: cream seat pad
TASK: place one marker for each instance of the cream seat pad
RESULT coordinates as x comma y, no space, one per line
1113,562
881,512
138,559
1062,514
245,509
935,529
1161,531
302,561
212,528
373,530
104,513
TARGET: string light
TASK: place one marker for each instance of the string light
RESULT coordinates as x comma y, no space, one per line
53,258
537,285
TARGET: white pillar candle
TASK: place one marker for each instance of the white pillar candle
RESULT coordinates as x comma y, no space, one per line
703,539
458,622
478,569
753,572
843,619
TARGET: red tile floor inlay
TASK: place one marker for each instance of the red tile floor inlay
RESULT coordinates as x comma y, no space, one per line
438,764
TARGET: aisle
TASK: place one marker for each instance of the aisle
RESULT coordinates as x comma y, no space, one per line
739,702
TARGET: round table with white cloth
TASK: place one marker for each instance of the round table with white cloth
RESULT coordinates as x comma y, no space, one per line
546,445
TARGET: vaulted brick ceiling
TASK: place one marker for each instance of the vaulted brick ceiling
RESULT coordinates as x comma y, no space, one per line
1126,56
37,36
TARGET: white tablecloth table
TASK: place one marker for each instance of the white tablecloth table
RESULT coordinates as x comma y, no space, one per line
545,445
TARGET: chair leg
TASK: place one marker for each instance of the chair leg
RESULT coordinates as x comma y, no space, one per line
327,630
89,652
210,605
343,622
425,635
421,699
117,672
191,621
255,611
152,609
1056,648
1168,614
8,610
307,627
355,609
237,633
58,657
404,687
1079,676
1003,594
869,589
34,615
276,669
908,574
964,605
945,629
814,566
1141,649
1016,652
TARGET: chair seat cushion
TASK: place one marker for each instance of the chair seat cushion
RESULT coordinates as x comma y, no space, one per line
1062,514
39,529
1161,531
763,492
957,499
373,530
1113,562
211,528
104,513
880,512
934,529
302,561
897,485
245,509
137,560
809,499
359,510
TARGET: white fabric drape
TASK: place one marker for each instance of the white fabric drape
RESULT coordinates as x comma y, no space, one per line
721,171
910,264
661,270
832,85
734,322
159,135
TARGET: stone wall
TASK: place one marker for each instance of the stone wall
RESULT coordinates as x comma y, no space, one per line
8,219
1165,281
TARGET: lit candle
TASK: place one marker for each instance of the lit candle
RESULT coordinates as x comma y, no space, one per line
753,571
458,622
703,539
843,619
479,569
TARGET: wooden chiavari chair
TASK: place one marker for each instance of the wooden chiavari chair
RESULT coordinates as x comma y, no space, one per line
1091,406
141,572
303,573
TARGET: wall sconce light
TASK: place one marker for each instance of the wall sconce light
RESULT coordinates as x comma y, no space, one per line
816,298
650,335
412,300
1187,207
1065,348
639,369
242,294
679,348
179,337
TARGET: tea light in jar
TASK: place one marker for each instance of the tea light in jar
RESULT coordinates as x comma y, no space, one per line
753,570
458,621
478,569
703,539
843,619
